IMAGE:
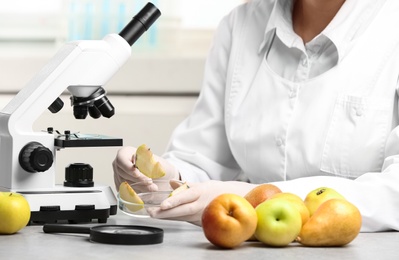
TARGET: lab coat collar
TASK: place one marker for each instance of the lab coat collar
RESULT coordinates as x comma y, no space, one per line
280,20
351,20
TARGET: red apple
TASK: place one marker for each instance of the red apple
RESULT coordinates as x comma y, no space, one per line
261,193
228,220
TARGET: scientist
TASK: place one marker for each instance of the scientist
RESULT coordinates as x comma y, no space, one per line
298,93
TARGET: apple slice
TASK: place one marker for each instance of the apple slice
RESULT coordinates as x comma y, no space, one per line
182,187
127,193
145,162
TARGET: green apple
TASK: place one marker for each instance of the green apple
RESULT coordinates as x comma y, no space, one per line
318,196
14,212
297,201
279,222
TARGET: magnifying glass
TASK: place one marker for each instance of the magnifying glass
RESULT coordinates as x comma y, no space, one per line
112,234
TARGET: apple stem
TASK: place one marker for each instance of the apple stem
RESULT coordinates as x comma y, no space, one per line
320,191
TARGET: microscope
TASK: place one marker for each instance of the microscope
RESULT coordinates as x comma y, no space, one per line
27,158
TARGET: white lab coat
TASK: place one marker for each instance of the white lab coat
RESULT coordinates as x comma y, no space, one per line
338,129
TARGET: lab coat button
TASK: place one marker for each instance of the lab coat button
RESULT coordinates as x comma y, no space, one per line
359,112
279,142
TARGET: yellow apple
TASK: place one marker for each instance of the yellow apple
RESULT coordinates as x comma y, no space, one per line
318,196
128,194
335,223
228,220
279,222
298,203
14,212
144,161
261,193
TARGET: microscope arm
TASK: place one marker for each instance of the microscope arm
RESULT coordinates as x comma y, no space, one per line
81,67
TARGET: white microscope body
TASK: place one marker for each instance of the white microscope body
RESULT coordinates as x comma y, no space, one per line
27,158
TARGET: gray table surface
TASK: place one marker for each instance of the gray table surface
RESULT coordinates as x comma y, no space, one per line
181,241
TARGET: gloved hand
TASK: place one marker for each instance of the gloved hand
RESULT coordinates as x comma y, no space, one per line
124,170
189,204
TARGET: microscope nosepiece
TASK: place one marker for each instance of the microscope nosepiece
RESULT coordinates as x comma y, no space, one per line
95,105
94,112
80,112
105,107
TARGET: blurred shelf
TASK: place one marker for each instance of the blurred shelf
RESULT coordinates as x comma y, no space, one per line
174,66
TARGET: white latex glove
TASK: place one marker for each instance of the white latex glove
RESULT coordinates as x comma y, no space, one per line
189,204
124,170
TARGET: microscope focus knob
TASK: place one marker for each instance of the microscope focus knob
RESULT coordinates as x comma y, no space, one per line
34,157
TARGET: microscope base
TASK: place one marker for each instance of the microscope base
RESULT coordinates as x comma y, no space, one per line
74,205
72,216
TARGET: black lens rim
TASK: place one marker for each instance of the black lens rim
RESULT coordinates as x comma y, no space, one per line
145,235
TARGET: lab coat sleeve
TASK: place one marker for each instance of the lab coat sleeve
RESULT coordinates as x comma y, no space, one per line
376,194
198,146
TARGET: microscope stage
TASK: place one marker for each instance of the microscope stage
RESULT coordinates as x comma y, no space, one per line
86,140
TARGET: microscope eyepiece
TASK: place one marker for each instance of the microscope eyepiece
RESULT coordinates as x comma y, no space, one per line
97,103
140,23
